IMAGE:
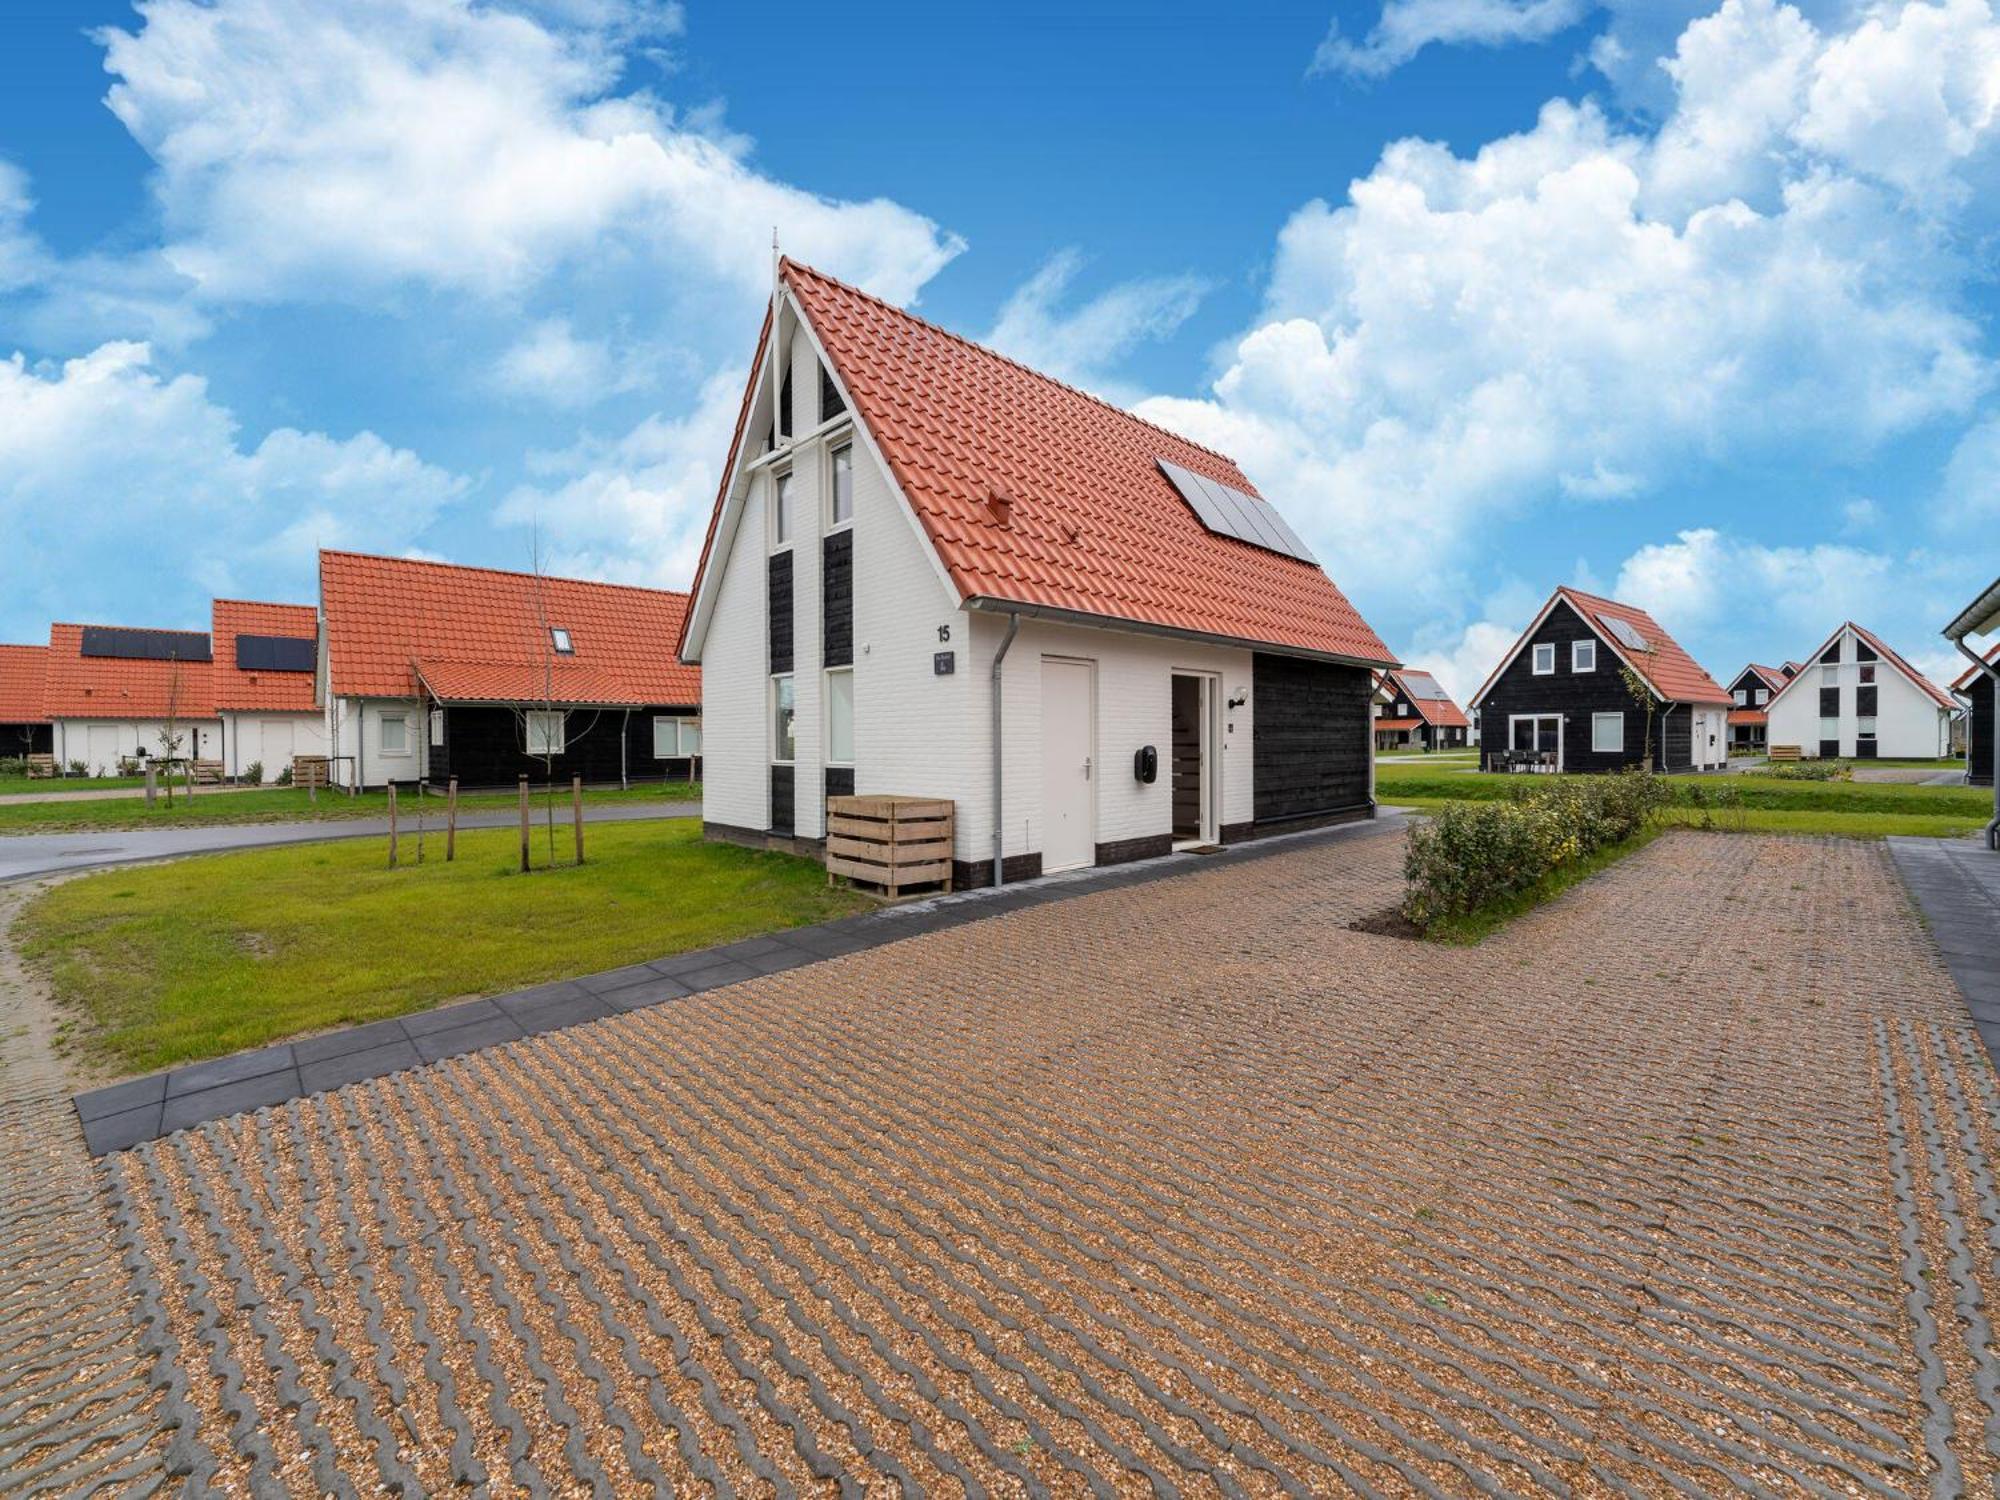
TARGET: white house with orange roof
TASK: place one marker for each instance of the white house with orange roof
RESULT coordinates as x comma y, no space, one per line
932,571
432,672
1856,697
117,693
264,658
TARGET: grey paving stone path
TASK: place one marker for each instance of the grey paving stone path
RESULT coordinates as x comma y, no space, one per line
1956,884
142,1109
32,855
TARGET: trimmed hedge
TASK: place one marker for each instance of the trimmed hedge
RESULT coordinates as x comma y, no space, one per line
1469,855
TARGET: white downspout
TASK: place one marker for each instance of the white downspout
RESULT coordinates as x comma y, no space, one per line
999,660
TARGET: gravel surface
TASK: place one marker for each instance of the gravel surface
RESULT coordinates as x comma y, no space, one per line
1683,1183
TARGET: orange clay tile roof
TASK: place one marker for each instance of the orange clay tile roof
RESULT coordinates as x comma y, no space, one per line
1437,710
1747,716
1963,682
1399,723
479,634
115,687
274,692
1888,654
1674,675
1773,678
1092,526
22,669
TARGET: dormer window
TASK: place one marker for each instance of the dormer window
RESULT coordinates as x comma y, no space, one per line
559,638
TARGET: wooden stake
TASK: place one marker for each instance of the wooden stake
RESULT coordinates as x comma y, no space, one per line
392,825
524,825
152,776
576,811
451,820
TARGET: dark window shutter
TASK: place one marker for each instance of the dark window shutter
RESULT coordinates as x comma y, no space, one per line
837,599
1864,702
1829,703
781,613
1829,749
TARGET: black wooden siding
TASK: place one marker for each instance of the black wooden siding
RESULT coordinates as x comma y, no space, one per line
783,817
27,739
780,612
485,746
837,598
1979,730
1576,696
1311,747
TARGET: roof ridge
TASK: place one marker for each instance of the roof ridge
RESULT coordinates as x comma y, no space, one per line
265,603
1026,369
431,562
144,629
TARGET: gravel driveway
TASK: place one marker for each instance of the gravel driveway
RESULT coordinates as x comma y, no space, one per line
1685,1182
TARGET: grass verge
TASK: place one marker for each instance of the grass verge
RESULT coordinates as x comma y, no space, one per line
289,805
1402,783
11,786
167,964
1837,823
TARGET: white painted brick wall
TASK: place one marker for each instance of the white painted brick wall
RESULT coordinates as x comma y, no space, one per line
735,740
1906,720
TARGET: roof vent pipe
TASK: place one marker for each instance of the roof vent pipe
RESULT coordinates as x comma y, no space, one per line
1000,660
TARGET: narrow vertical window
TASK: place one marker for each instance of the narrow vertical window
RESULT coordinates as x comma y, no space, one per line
784,742
843,484
840,718
781,510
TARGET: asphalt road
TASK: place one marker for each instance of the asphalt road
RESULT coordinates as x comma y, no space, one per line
30,855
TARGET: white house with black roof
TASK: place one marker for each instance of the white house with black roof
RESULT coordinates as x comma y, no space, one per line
1596,685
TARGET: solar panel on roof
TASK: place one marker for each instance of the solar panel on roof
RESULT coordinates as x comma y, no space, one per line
144,645
276,653
1229,512
1422,685
1629,638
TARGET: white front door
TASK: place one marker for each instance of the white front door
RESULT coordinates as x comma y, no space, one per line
101,749
276,746
1069,827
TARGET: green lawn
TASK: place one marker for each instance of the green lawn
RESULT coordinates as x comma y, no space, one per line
1840,800
280,805
11,785
170,963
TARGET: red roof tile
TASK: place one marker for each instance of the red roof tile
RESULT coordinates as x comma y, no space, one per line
1092,525
1963,681
1438,710
1674,675
1930,689
1399,723
276,692
484,632
1747,716
116,687
22,670
1773,677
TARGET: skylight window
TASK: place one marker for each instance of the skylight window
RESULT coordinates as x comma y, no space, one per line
559,638
1229,512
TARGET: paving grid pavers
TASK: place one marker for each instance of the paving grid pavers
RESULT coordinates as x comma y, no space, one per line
220,1086
1183,1188
1956,884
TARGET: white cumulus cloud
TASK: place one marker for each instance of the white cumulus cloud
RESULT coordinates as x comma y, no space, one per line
1406,27
1080,343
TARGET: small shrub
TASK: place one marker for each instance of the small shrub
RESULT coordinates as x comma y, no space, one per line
13,765
284,776
253,774
1469,855
77,768
1810,770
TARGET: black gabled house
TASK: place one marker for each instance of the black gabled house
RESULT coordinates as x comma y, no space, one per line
1595,685
1414,710
1975,691
1749,696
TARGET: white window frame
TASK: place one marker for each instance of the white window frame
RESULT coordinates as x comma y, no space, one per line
402,723
1562,725
835,521
784,511
1762,696
1864,729
1576,649
541,716
1402,710
681,727
1866,670
1597,721
560,642
1535,660
437,728
1742,696
771,718
826,698
1829,674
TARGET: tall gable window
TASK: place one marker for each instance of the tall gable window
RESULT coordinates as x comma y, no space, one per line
785,404
841,500
781,511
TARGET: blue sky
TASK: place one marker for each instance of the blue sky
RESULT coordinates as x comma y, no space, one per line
1691,303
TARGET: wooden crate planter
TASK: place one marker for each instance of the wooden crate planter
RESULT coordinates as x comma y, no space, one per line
309,771
891,843
1783,752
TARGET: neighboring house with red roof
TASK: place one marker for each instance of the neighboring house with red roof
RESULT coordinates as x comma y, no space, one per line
1974,689
1750,694
1559,700
24,715
1858,698
117,693
1414,709
265,658
933,571
430,671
